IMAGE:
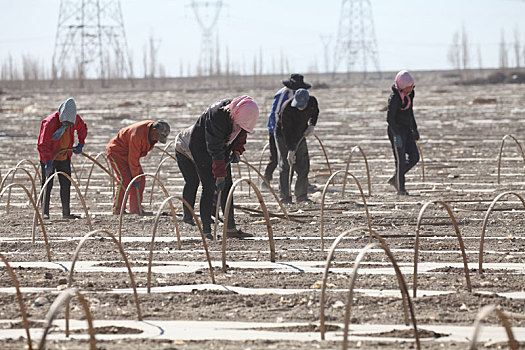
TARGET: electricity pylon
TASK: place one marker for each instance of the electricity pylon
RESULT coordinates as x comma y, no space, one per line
207,14
356,40
91,41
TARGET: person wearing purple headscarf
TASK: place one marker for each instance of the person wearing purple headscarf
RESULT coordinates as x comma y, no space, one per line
402,129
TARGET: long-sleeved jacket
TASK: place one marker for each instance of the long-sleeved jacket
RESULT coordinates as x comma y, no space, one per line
292,122
47,148
182,142
398,118
211,133
131,144
279,99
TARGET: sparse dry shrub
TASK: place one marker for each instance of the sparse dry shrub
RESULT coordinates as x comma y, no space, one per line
496,78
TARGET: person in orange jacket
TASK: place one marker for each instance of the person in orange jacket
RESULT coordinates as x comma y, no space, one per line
57,133
124,152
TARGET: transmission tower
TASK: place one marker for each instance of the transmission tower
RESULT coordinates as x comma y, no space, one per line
207,14
326,39
356,40
91,40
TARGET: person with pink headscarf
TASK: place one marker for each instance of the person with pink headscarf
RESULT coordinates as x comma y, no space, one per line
402,129
216,140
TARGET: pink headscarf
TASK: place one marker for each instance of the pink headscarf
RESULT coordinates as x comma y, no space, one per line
244,113
404,80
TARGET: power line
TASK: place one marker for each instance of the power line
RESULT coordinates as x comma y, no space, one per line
90,41
206,14
356,40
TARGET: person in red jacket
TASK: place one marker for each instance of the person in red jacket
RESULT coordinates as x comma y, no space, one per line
57,133
124,152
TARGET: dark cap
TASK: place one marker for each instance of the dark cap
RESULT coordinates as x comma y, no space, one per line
163,130
301,98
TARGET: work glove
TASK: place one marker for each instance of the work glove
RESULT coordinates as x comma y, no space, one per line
236,157
416,134
291,157
309,131
219,169
136,184
48,167
220,182
398,141
78,148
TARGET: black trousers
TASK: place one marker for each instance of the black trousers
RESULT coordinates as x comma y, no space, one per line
402,162
274,158
207,197
301,167
191,182
65,184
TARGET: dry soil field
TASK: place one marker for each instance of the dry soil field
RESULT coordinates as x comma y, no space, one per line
256,303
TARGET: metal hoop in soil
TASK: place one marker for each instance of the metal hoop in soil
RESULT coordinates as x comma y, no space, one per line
20,300
358,148
501,151
124,257
155,225
77,189
325,155
240,176
407,302
130,185
262,154
161,162
163,150
323,196
482,314
290,174
13,171
101,154
485,222
157,171
113,177
458,234
35,167
227,217
19,165
63,299
35,218
261,176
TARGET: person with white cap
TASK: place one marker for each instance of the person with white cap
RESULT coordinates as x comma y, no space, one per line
216,140
402,129
57,133
296,121
295,82
124,152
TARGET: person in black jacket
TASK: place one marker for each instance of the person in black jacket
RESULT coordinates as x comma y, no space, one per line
402,129
295,82
297,120
218,137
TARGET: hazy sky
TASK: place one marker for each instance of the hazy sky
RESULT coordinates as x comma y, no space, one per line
411,34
